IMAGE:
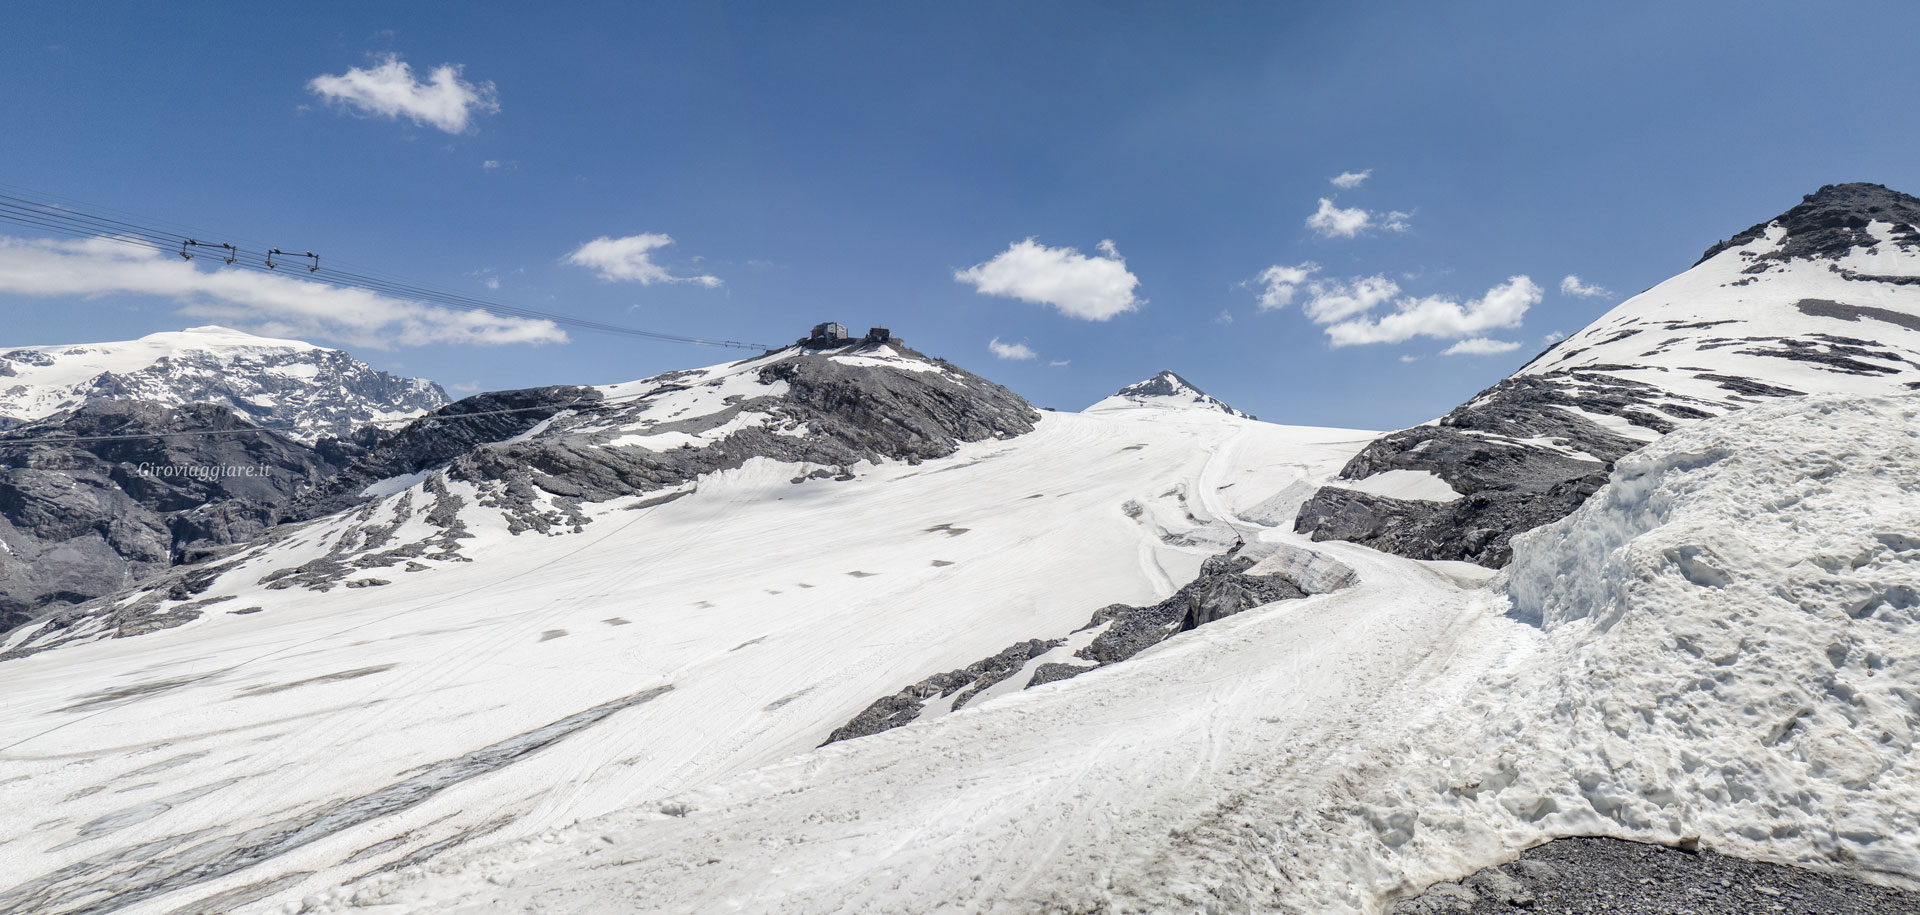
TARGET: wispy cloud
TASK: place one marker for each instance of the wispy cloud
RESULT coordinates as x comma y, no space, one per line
1011,350
389,89
1058,364
631,259
1347,181
1282,282
266,303
1442,317
1571,286
1480,346
1333,222
1328,300
1335,300
1552,338
1075,284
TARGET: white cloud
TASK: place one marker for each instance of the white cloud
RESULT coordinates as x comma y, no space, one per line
1282,282
1058,363
1572,286
1553,338
1409,358
1336,300
1088,288
1011,350
1333,222
1443,318
388,89
493,282
631,258
1396,221
1480,346
1347,181
1224,317
266,303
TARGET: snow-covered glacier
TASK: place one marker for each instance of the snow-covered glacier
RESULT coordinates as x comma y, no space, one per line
1719,648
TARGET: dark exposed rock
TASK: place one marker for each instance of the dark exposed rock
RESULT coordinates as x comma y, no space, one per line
1591,876
1827,308
1517,452
433,440
1222,589
1832,221
904,707
1747,386
84,519
852,413
539,480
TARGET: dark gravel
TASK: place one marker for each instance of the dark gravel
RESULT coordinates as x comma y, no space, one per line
1591,875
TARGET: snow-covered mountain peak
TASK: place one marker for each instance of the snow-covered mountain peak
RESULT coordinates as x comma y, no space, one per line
1166,390
1824,299
1831,222
309,390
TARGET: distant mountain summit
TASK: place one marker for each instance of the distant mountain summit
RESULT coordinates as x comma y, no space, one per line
1833,220
1823,299
1166,390
305,390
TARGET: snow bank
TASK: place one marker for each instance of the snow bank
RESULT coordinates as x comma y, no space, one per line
1733,652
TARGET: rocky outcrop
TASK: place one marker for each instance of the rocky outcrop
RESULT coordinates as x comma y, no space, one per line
847,412
1777,311
434,440
905,706
1630,878
1222,589
1523,453
85,519
1832,221
537,457
1227,584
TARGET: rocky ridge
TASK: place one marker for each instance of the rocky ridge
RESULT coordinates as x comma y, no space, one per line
1822,299
308,392
538,461
84,519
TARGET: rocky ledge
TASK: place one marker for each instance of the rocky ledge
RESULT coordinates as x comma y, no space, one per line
1592,876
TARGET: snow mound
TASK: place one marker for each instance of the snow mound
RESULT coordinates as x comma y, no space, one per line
1733,643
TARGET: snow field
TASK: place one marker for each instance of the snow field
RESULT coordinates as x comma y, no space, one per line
1719,646
753,617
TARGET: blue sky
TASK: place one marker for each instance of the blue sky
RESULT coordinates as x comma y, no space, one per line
886,164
